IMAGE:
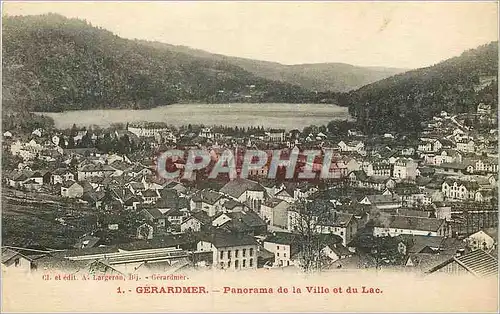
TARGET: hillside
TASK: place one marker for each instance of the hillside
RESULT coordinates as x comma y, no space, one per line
403,101
337,77
52,63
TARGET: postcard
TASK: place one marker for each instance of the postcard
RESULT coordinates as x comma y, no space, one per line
249,156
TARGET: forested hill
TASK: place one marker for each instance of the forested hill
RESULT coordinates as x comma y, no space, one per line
336,77
52,63
403,101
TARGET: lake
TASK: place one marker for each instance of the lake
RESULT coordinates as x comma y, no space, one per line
286,116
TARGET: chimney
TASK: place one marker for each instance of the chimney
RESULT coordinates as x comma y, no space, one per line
460,252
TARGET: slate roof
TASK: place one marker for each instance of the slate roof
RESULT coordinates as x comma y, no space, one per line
230,204
237,187
426,261
412,223
284,238
8,254
337,219
226,239
383,199
207,196
69,183
154,212
479,263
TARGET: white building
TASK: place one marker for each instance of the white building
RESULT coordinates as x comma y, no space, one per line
231,251
391,225
405,169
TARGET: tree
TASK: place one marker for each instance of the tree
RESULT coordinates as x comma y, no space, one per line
10,161
307,221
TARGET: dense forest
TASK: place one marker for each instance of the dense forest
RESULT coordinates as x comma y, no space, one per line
321,77
52,63
403,101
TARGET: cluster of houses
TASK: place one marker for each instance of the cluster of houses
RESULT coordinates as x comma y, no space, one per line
381,188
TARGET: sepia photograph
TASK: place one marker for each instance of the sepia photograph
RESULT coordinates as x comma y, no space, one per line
249,156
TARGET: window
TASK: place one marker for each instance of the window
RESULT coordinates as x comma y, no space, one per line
284,255
244,263
229,264
17,262
221,254
236,253
222,264
237,263
278,254
251,252
229,254
244,252
341,233
277,247
251,262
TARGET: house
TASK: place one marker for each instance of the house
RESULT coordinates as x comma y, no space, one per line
341,224
196,222
382,202
483,239
361,180
150,196
92,198
484,164
247,222
13,261
378,169
147,129
233,206
177,186
445,156
230,251
423,262
132,202
206,132
283,245
92,170
405,169
477,263
155,217
483,109
335,251
454,168
352,146
429,145
285,195
275,135
456,188
71,189
466,146
246,191
60,175
274,211
304,190
208,201
394,225
175,216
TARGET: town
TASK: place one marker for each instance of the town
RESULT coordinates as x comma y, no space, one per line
90,198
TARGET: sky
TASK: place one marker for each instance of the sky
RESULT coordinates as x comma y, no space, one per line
390,34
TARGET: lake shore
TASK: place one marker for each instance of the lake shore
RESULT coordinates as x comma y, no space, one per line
286,116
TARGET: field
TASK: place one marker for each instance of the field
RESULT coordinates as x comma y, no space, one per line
42,223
